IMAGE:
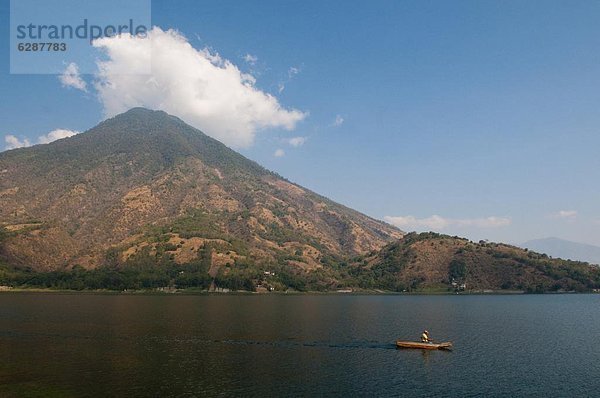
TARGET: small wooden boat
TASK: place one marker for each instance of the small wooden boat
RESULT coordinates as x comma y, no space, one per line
424,346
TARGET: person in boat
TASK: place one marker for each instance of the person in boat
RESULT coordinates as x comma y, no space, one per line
425,337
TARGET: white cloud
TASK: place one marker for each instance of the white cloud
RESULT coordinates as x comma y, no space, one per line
198,86
12,142
71,78
436,222
433,222
297,141
293,71
251,59
565,214
339,120
279,153
56,135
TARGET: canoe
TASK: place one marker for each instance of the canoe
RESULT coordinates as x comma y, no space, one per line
424,346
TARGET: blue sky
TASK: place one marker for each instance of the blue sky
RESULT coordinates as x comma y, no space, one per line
483,113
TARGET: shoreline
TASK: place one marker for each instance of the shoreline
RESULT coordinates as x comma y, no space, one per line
184,292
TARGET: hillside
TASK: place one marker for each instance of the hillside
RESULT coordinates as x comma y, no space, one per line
561,248
144,187
430,261
143,200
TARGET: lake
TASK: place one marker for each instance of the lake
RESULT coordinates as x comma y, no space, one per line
99,345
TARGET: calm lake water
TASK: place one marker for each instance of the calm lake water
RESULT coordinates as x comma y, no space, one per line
118,345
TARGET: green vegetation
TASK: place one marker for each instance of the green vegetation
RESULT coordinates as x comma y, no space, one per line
198,223
140,277
383,274
129,278
458,269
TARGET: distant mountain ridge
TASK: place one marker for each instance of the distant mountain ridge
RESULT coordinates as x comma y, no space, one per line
561,248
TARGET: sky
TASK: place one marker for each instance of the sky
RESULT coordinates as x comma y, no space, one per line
472,118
